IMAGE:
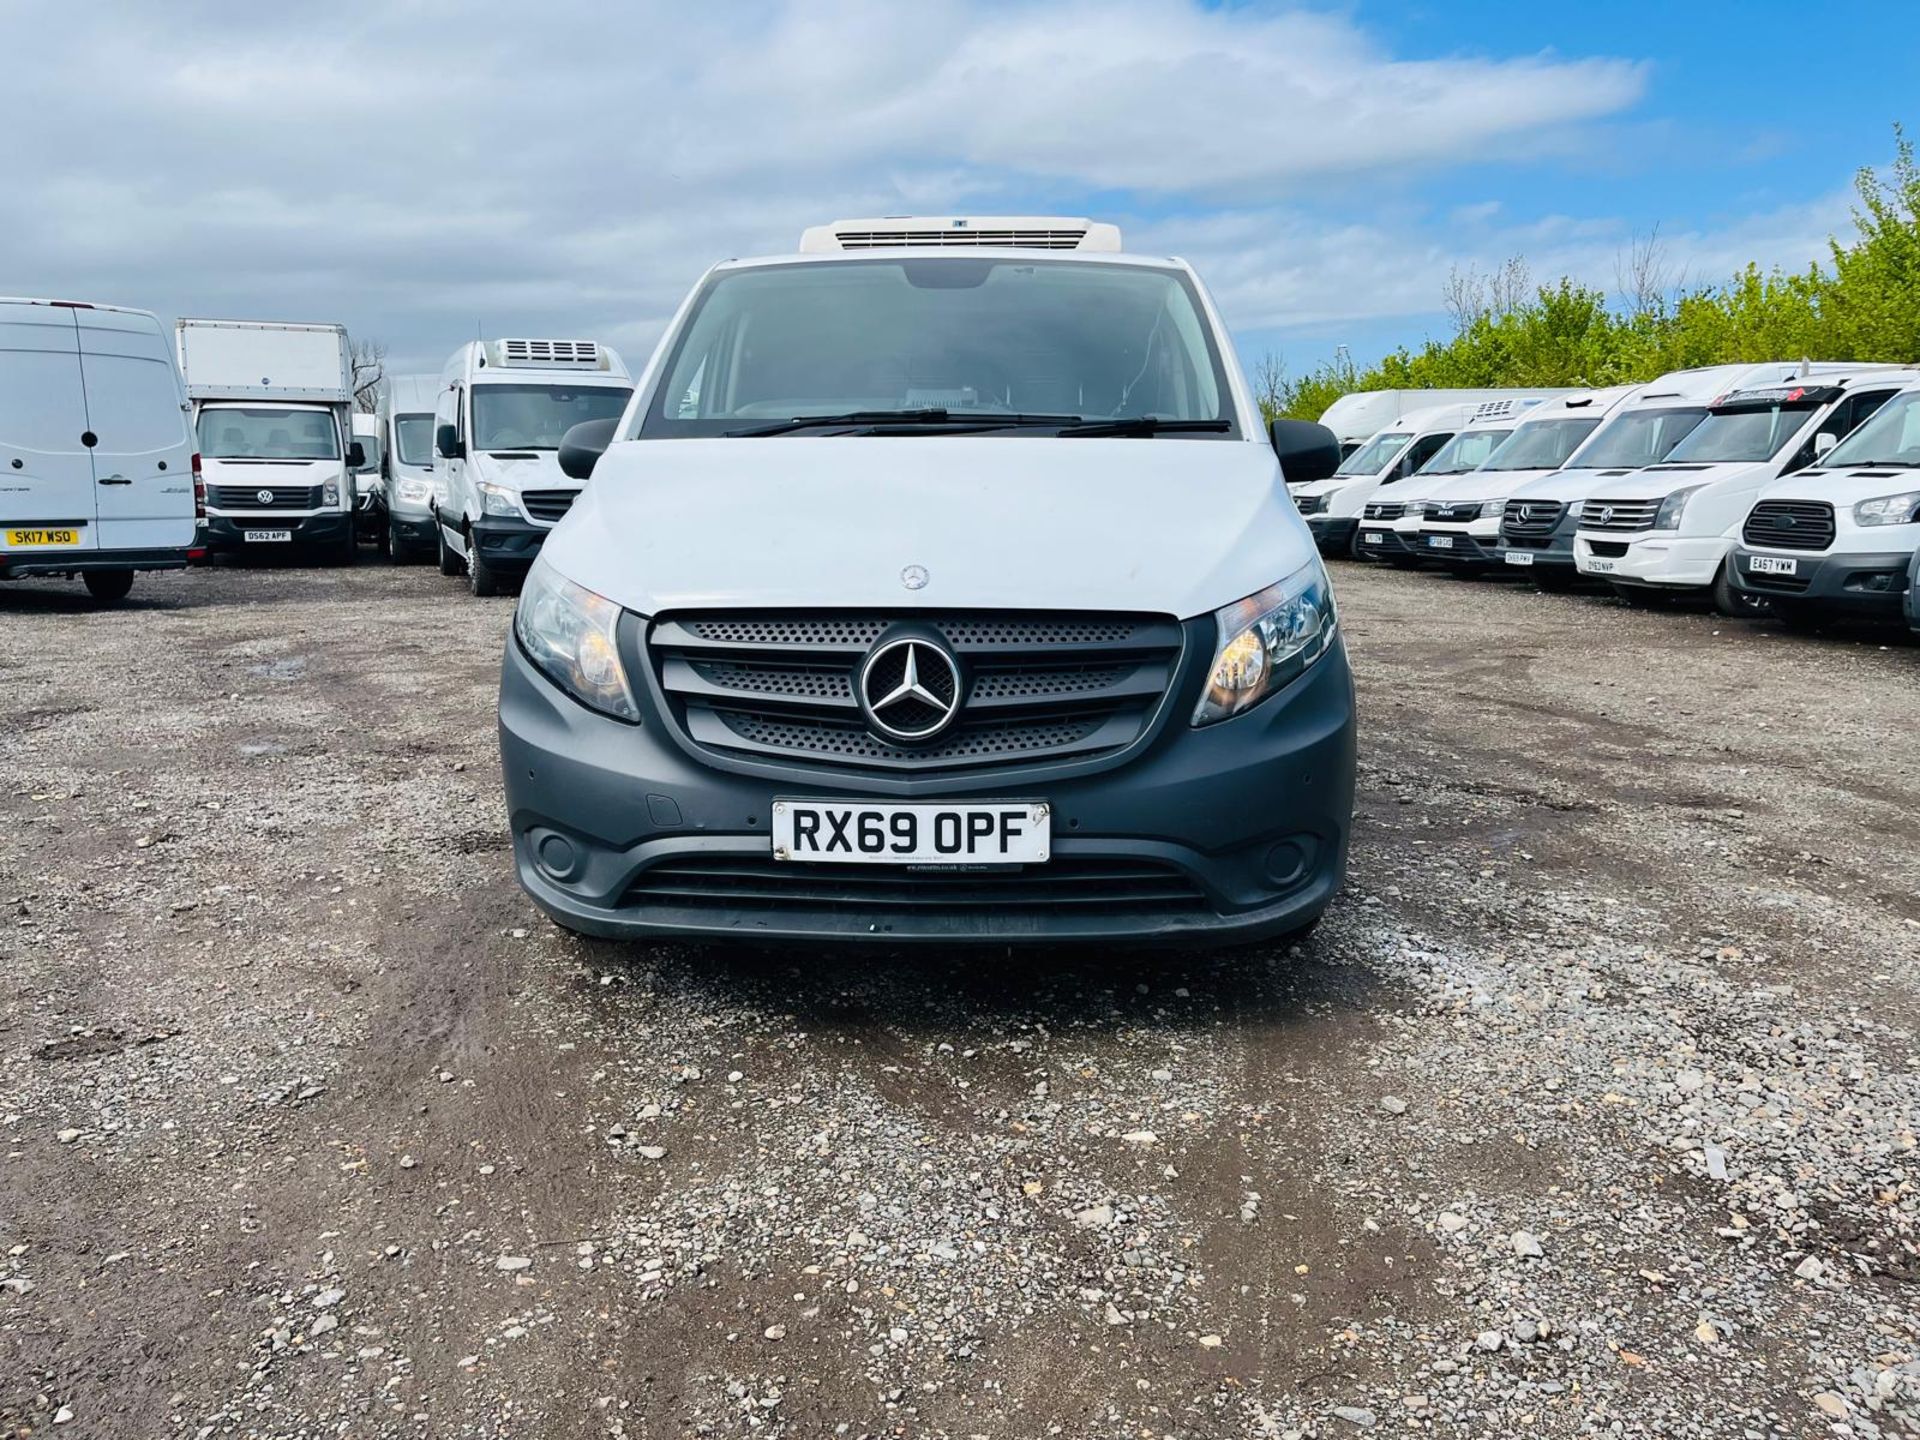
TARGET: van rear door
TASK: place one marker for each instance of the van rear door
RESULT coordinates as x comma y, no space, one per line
143,452
46,473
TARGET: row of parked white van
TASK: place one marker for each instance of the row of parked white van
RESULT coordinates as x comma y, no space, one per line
122,452
1788,488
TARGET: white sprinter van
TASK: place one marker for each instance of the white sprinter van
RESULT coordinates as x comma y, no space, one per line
1669,529
1459,519
406,455
1334,506
1379,536
98,475
1842,538
273,407
502,408
1019,640
1357,417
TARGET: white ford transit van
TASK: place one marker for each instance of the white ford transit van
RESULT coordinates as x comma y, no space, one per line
98,475
1843,537
273,412
502,408
1669,529
945,590
406,456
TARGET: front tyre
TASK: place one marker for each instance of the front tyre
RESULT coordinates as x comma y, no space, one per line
1733,603
1640,597
483,579
450,562
108,587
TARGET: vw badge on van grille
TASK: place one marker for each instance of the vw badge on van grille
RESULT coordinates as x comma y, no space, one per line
910,688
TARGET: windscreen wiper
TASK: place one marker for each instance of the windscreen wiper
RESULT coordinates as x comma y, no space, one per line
933,415
1144,425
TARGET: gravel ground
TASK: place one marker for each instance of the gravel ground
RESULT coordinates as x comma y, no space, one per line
1591,1108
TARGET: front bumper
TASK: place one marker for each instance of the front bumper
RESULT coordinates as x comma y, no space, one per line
625,831
1552,551
327,527
1689,562
1458,545
1378,540
417,532
1862,583
18,564
1333,533
507,544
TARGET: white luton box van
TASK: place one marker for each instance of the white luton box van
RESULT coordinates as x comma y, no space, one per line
1670,528
97,472
406,457
502,409
1841,538
273,412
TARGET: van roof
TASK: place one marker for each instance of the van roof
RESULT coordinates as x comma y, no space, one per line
79,305
961,232
1702,383
1835,378
583,359
411,394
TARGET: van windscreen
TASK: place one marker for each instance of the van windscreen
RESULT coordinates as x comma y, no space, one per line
413,439
265,432
971,336
534,417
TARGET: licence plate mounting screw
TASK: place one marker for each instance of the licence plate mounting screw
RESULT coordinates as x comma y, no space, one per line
1040,812
779,809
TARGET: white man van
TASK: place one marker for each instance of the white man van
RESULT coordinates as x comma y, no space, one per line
272,407
1841,538
1020,642
406,452
98,475
1459,518
1670,528
502,408
369,481
1332,506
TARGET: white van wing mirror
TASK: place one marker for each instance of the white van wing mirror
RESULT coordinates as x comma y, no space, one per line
1824,441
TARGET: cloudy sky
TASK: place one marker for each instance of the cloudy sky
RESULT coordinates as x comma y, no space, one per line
424,170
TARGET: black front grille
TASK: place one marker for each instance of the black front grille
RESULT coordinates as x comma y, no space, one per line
548,506
733,883
1310,504
1623,515
1035,687
1790,525
1531,519
1453,514
280,497
1384,510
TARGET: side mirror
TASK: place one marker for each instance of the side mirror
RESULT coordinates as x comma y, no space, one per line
447,442
1307,451
1824,441
356,456
583,445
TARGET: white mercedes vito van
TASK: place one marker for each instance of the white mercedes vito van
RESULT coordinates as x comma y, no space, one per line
98,474
940,582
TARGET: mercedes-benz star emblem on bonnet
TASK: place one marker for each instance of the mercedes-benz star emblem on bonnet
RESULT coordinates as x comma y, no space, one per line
910,688
265,497
915,577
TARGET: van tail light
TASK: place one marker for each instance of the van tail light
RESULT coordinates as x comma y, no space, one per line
199,490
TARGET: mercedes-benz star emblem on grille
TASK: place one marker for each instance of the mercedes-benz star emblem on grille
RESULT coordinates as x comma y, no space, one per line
265,497
910,688
915,577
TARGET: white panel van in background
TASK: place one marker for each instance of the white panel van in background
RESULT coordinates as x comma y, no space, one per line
98,476
369,482
406,458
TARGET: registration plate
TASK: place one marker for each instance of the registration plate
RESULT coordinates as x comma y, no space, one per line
1005,832
1599,567
1439,542
283,537
1519,557
43,537
1373,537
1772,565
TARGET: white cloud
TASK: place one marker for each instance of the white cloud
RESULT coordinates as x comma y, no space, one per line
417,169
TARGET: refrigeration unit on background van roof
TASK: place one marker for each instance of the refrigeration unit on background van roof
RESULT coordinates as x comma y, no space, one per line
971,232
520,354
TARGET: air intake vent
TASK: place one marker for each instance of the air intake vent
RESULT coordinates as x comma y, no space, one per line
524,354
962,232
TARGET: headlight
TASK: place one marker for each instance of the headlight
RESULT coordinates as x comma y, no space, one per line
330,493
1492,509
415,491
1265,641
1577,509
496,499
1671,508
568,633
1902,509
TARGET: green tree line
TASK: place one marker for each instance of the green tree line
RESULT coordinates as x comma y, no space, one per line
1863,303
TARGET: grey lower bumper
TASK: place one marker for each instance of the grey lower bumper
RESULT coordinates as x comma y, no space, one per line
1873,585
1237,832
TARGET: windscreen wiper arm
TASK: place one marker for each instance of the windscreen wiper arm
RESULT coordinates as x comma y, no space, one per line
1144,425
933,415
